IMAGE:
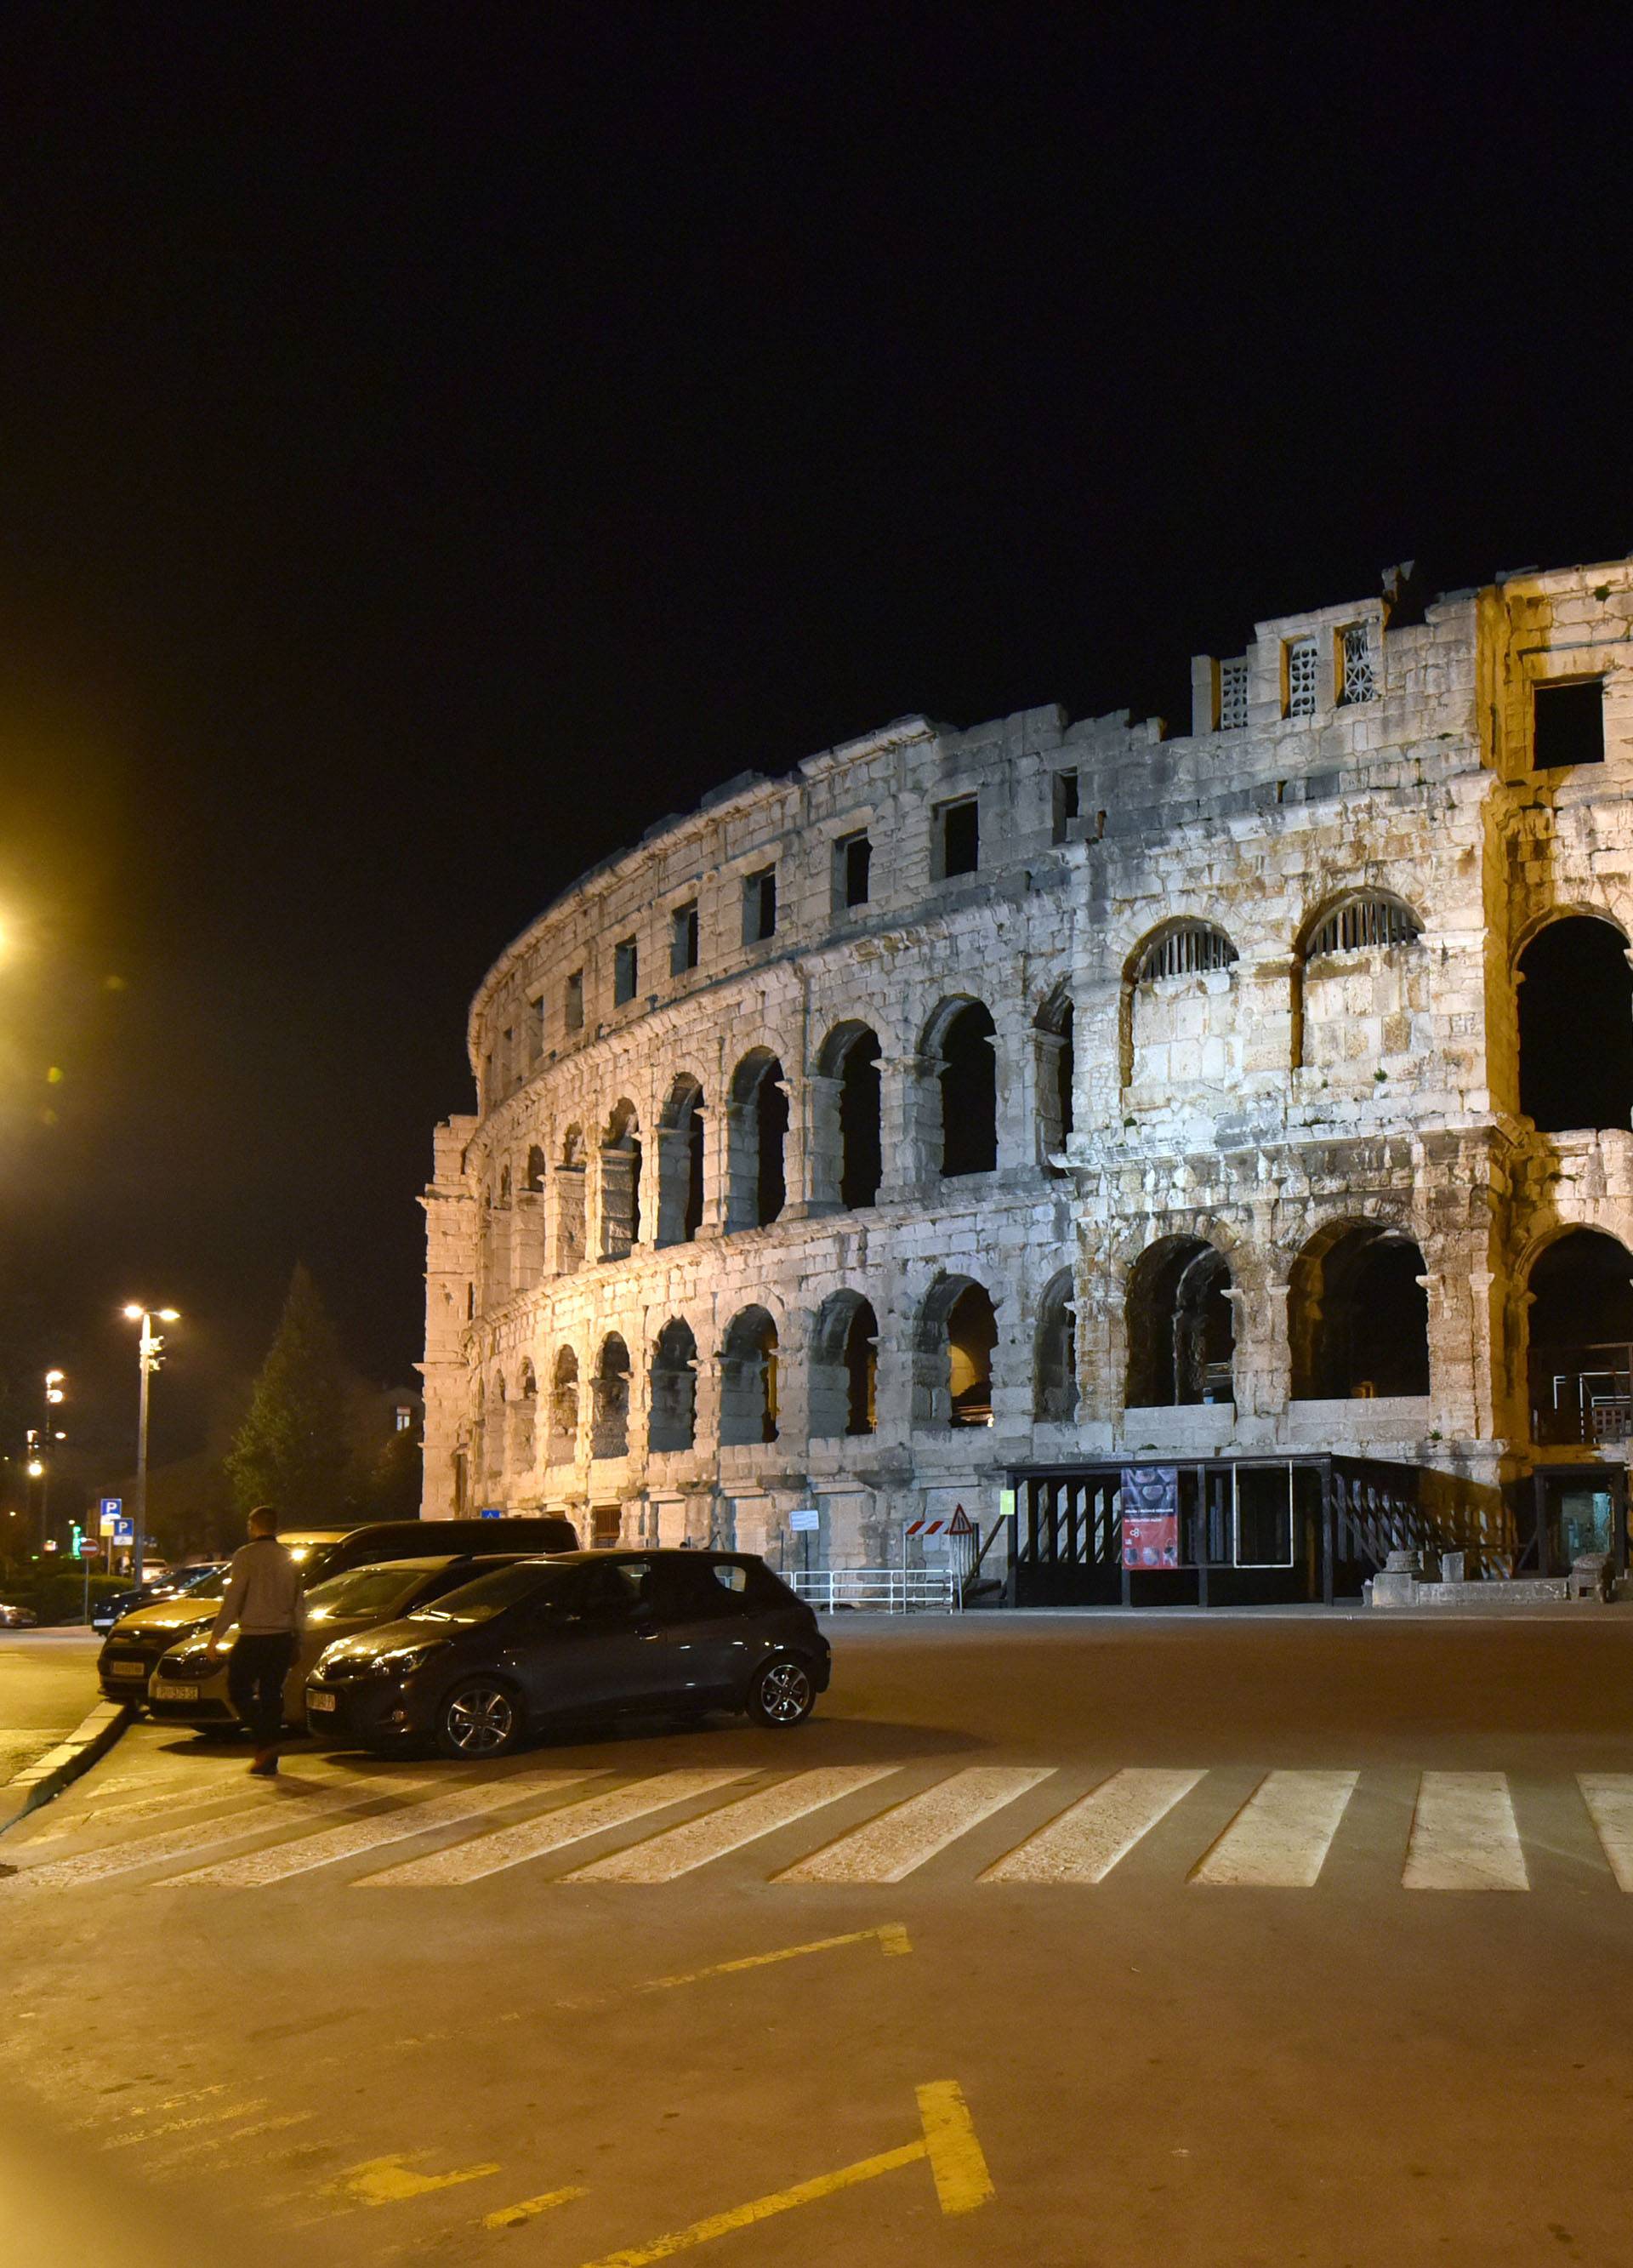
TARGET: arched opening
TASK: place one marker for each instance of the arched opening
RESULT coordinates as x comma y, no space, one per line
1163,1040
671,1423
680,1164
1581,1339
748,1380
1576,1027
1053,1038
530,1221
1055,1369
861,1158
1358,1316
844,1367
1182,1331
620,1184
570,1205
952,1355
493,1428
562,1439
962,1053
1354,991
609,1432
757,1129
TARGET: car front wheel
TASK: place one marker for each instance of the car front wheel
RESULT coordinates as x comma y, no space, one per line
480,1718
782,1695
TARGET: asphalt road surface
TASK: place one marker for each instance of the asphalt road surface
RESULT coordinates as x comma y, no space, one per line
1079,1942
47,1682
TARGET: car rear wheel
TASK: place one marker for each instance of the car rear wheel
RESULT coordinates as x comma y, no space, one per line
783,1694
482,1717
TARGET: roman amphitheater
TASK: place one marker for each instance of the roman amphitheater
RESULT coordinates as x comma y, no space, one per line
1198,1164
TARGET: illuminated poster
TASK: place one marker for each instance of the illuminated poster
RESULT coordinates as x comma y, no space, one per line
1151,1516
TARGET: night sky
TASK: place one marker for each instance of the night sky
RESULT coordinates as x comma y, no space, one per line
437,442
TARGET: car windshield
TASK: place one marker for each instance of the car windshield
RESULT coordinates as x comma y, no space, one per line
490,1594
378,1591
197,1577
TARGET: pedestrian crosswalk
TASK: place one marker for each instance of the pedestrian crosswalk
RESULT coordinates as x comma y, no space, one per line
1002,1826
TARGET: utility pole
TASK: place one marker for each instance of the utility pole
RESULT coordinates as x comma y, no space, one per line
148,1358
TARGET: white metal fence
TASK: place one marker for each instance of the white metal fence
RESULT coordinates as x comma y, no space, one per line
889,1590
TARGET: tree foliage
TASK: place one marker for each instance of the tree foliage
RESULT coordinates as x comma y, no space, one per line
295,1446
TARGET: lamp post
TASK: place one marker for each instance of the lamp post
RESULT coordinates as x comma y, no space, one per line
148,1359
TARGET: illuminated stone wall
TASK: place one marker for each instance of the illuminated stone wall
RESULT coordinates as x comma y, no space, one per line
1261,1106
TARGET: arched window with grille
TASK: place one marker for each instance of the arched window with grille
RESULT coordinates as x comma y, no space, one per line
1178,1014
1183,948
1359,993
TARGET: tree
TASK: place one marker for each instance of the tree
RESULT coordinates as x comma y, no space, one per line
295,1447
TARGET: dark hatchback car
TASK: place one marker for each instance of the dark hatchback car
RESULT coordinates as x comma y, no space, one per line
590,1634
106,1611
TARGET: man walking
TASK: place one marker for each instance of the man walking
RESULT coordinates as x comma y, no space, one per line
265,1599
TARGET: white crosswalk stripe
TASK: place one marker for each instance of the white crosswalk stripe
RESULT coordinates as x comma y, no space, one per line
279,1804
680,1848
278,1862
1280,1837
1464,1835
890,1848
1610,1800
536,1838
1088,1840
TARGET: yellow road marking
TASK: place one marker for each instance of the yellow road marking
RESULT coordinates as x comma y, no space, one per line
183,2125
512,2216
391,2181
892,1938
956,2163
956,2157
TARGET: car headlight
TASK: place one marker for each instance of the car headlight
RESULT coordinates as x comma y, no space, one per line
402,1659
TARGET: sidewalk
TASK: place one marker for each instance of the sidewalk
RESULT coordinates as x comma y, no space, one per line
47,1684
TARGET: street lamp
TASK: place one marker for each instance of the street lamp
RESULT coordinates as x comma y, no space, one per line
148,1359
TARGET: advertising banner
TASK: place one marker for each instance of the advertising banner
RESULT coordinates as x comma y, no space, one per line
1151,1516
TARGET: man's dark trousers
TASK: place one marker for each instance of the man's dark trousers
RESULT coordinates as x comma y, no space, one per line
257,1669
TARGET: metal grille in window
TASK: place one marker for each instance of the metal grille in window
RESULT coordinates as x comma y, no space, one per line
1361,922
1190,948
1356,666
1301,667
1232,695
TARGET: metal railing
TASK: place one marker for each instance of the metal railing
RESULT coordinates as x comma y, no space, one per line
888,1590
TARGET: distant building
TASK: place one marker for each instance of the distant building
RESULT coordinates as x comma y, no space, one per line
973,1116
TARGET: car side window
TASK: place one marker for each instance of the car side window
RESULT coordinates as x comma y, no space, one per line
617,1589
702,1590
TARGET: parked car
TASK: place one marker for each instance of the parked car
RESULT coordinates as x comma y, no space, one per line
591,1634
106,1611
135,1643
189,1685
18,1617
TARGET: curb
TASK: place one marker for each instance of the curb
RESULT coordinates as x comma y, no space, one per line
90,1739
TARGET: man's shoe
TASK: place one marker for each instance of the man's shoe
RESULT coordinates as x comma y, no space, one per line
266,1764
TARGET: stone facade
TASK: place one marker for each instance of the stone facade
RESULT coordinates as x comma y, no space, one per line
1251,1054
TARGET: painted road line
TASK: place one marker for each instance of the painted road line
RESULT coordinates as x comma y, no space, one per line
513,2216
459,1806
948,2142
276,1805
903,1839
536,1838
1280,1837
1610,1800
1092,1835
678,1850
394,2180
890,1937
1463,1834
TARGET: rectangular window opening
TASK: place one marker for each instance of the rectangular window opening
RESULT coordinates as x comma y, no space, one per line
960,838
760,906
853,861
683,939
626,971
1301,665
1234,695
572,1002
1570,724
1066,803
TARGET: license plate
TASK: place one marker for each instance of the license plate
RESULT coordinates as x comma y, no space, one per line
127,1670
322,1701
160,1689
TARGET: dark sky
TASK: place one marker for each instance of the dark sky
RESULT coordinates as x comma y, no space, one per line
435,442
